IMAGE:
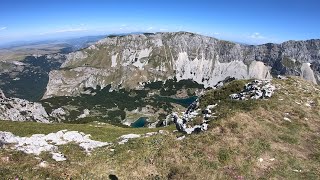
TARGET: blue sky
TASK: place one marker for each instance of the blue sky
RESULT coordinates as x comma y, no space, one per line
247,21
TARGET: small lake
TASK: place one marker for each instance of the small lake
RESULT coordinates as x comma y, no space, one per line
185,102
141,122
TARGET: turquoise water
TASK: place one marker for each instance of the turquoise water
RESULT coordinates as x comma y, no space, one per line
141,122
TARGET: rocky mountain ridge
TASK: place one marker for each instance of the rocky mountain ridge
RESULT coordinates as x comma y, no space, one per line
130,61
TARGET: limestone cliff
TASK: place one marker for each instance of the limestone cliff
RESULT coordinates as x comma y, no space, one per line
131,60
15,109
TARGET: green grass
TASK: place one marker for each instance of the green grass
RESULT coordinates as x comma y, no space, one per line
259,146
230,149
224,155
288,139
105,133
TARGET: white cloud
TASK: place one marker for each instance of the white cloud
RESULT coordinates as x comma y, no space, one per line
163,29
3,28
149,28
65,30
70,30
216,33
257,36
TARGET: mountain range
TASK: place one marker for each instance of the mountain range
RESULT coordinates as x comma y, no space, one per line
130,61
162,106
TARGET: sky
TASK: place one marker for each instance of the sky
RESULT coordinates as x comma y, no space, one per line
244,21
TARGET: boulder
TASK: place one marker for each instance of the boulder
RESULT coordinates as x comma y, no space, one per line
257,89
58,114
189,115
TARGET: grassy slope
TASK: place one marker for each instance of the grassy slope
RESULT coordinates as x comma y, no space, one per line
100,132
230,149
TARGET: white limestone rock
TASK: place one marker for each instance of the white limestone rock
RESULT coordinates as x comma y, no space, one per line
209,73
257,89
85,113
58,157
189,115
15,109
307,73
74,57
142,60
181,138
114,60
130,136
151,134
58,114
125,138
38,143
287,119
44,164
257,70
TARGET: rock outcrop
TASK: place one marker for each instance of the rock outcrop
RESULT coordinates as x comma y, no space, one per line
189,115
58,114
16,109
38,143
128,61
307,73
257,89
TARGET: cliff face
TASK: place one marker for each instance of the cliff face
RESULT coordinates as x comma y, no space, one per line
133,59
15,109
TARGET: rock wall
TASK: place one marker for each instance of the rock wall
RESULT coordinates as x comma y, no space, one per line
130,60
16,109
